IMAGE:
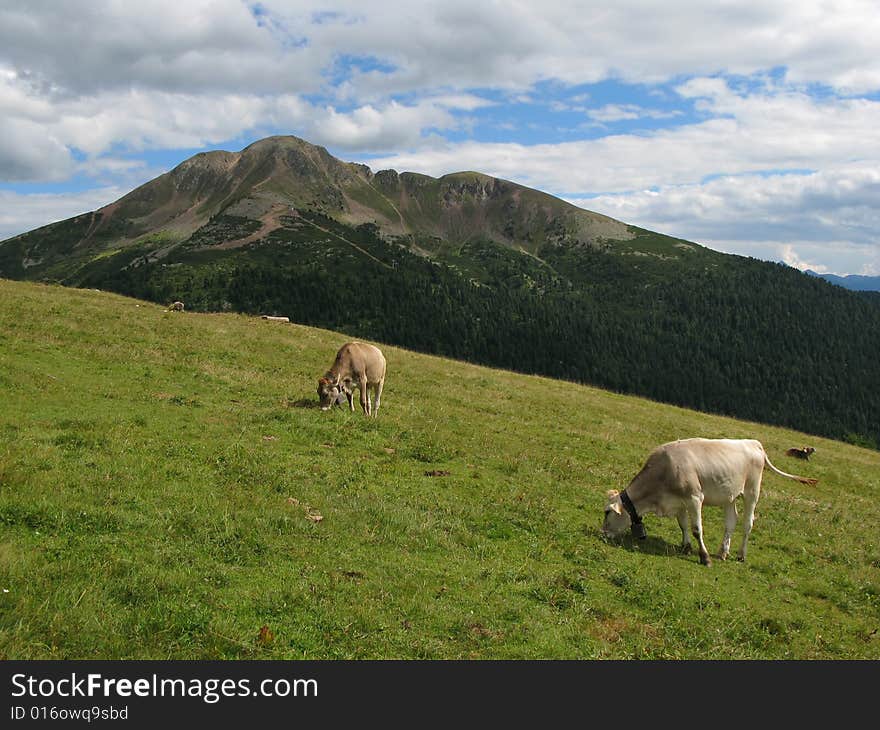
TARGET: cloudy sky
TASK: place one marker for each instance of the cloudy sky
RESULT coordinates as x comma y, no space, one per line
750,127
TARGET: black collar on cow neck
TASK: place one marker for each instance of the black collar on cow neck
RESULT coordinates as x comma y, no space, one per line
638,529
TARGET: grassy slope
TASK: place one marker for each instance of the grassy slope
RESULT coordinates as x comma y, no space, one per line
157,471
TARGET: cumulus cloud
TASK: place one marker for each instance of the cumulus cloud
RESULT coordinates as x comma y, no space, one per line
826,221
461,44
100,71
23,212
769,131
389,126
205,46
619,112
28,153
40,134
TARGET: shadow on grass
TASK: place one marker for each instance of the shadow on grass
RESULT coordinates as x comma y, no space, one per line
302,403
651,545
313,404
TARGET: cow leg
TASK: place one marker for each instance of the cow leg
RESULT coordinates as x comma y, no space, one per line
379,386
365,396
729,527
750,495
695,512
682,518
350,395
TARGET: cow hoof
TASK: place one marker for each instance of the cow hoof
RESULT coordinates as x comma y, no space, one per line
704,559
723,556
686,549
741,558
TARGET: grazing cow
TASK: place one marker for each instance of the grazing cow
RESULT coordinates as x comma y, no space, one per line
680,477
803,453
357,364
175,307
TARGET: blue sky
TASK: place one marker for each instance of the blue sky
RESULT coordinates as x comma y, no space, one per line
750,127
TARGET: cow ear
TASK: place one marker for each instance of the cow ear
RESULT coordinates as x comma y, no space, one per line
614,501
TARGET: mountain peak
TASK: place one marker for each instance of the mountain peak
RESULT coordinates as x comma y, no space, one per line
280,141
271,177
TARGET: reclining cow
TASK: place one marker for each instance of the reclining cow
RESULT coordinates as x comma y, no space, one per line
357,364
680,477
803,453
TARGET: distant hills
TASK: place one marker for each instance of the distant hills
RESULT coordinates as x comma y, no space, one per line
855,282
482,269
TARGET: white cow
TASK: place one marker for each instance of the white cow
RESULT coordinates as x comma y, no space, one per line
680,477
357,364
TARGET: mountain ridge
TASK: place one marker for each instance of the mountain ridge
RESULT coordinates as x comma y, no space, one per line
273,175
853,282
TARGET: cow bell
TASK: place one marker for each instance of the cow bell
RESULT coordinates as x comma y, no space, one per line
639,531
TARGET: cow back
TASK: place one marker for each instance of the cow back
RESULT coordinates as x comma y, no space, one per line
355,359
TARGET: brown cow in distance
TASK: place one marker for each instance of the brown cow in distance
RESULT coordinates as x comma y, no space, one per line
803,453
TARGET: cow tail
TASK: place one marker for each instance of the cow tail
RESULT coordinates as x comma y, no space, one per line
802,480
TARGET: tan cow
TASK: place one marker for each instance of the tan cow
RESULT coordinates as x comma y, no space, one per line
357,364
680,477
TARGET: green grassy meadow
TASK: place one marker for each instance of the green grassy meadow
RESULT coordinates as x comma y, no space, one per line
168,487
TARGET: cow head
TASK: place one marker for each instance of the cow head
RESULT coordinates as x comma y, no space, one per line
328,392
617,519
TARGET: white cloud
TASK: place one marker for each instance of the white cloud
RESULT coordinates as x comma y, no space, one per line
793,258
40,133
27,152
24,212
767,131
226,46
389,126
461,44
826,220
166,74
621,112
829,257
204,46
